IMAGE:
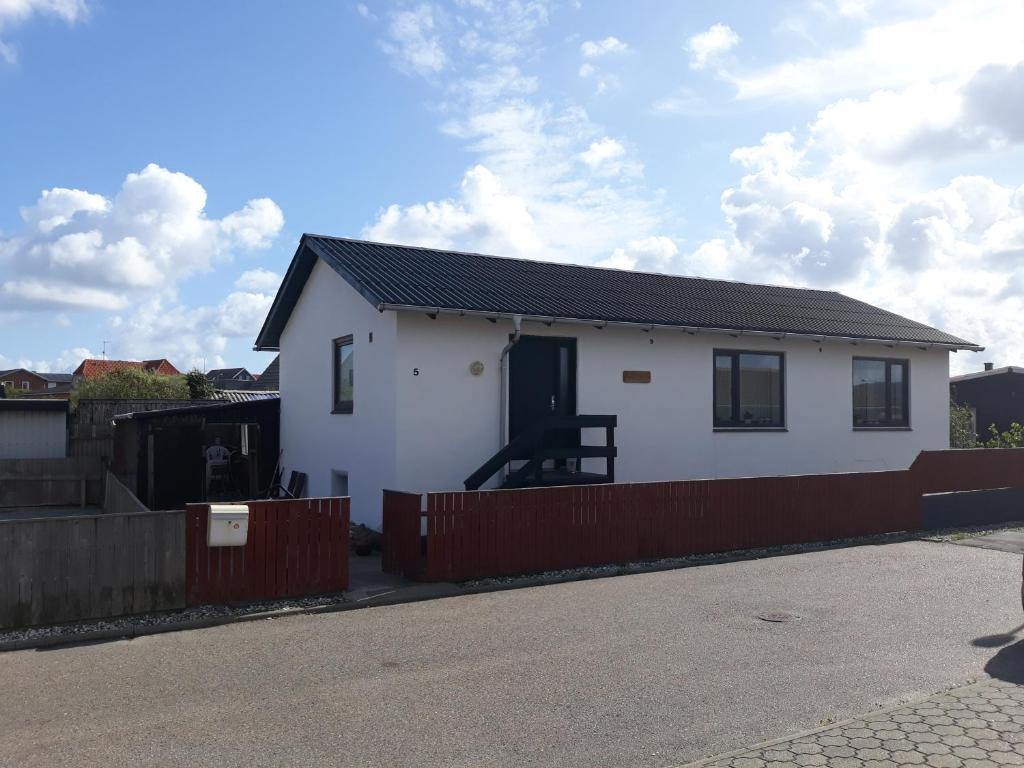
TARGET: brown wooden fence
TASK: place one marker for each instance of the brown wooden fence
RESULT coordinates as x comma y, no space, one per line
294,547
475,534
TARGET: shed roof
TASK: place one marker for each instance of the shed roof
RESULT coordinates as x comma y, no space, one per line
404,277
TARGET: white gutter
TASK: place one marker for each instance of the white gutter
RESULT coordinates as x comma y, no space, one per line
517,324
662,327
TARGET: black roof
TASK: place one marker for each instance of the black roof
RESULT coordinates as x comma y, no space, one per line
396,276
270,379
224,373
59,378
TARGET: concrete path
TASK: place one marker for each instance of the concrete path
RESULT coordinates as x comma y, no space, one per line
977,726
648,670
1004,541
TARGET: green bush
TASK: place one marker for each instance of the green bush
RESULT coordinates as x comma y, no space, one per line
1011,438
199,387
131,384
961,434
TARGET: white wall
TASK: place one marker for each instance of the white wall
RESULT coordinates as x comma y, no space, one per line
448,419
32,434
315,440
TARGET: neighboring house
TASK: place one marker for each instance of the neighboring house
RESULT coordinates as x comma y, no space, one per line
91,369
33,429
270,379
239,379
393,374
23,380
229,378
994,395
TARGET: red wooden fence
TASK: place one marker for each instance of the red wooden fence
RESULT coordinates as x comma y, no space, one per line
476,534
294,547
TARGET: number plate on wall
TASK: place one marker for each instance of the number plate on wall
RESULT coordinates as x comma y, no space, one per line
636,377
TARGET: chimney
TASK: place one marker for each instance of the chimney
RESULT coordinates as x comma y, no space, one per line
988,366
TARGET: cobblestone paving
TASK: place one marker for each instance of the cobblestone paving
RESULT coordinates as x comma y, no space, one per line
978,726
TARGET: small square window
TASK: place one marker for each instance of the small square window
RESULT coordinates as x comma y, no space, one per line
344,379
748,390
881,393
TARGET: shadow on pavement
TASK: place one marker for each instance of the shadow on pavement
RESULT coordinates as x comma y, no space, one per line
1008,664
996,641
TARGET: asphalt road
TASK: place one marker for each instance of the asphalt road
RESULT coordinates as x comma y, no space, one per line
648,670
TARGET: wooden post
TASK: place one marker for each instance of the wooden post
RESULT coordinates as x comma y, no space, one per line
609,435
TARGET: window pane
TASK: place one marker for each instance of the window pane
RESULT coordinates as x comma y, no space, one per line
896,390
868,392
723,388
760,390
345,378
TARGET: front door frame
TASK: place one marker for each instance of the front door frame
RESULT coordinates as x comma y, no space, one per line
568,387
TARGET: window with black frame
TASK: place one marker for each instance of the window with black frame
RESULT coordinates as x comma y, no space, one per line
344,384
748,390
881,393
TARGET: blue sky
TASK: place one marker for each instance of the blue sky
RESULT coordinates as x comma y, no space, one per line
160,160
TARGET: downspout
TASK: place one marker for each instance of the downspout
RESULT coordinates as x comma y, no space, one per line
517,323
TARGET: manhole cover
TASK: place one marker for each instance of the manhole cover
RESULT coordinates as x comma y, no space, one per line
778,616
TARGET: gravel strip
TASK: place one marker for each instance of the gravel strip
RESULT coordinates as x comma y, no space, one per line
131,624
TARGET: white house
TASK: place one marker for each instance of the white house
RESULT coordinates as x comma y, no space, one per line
409,368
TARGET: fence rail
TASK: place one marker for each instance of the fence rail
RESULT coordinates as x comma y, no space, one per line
294,547
476,534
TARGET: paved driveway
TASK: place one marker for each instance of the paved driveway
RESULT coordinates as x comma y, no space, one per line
648,670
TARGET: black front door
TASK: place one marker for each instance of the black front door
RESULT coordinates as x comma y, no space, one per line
542,382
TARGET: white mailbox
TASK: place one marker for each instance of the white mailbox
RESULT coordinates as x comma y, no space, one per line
229,525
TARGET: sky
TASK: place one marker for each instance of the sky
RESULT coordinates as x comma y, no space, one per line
159,161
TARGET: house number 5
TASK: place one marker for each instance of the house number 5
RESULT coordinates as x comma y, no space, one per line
415,371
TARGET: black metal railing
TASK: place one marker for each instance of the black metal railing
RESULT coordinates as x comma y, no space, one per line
545,441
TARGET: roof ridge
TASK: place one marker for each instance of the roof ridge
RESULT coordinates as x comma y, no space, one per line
570,264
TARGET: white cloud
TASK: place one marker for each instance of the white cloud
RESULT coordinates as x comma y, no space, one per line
650,254
65,362
602,152
707,47
593,49
82,250
949,43
259,280
13,12
414,41
190,336
927,121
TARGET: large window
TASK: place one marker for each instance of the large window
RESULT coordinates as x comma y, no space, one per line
881,393
748,390
343,375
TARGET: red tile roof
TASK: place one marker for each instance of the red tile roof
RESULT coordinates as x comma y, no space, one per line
90,369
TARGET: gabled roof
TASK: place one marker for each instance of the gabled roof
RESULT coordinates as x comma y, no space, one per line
270,379
226,373
396,277
983,374
59,378
246,395
91,368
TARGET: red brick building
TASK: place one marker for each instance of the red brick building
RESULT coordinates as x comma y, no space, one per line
17,380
